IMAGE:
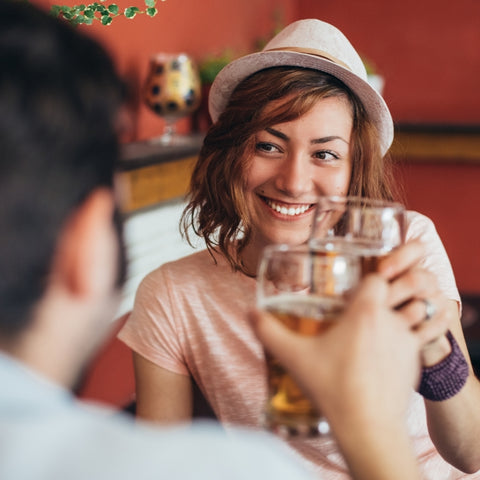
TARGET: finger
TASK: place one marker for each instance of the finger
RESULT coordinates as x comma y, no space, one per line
430,330
415,311
401,259
415,283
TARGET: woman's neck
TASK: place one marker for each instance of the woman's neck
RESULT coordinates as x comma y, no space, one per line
250,258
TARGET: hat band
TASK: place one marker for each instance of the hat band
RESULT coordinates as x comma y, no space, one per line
311,51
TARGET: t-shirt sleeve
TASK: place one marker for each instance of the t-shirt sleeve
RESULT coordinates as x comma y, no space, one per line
437,261
151,329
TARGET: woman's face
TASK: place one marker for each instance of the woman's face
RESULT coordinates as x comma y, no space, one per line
293,163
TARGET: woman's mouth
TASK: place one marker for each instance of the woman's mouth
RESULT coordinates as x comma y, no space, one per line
287,209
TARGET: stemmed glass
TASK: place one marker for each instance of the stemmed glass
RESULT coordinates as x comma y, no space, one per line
362,226
172,90
306,292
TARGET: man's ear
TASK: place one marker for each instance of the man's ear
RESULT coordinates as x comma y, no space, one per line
87,250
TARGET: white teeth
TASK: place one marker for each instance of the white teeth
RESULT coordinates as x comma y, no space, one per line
292,211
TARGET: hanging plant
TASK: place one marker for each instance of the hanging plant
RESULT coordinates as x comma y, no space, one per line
87,13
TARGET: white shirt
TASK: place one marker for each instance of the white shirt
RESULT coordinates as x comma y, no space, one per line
45,433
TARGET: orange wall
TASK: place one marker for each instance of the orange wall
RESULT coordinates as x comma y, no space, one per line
449,194
196,27
428,51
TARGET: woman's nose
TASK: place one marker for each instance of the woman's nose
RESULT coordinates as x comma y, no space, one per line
294,176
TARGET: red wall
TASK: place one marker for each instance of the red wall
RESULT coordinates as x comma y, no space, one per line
196,27
449,194
427,50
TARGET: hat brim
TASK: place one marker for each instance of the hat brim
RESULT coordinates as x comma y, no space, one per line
231,75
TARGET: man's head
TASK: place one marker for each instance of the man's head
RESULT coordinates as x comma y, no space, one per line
59,104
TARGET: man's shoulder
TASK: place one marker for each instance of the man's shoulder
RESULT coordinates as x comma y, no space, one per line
85,443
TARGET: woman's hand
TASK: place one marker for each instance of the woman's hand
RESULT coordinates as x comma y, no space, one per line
401,269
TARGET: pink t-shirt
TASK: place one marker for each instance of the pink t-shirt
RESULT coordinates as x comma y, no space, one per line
190,317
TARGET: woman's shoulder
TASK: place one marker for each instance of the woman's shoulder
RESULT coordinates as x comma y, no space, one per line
199,264
419,225
188,278
416,217
167,276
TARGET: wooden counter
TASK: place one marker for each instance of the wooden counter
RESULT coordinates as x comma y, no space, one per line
150,173
437,143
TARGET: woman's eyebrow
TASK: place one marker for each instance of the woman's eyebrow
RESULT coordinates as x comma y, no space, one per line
281,135
276,133
328,139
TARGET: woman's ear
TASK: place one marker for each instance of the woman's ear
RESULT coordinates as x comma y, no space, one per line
86,260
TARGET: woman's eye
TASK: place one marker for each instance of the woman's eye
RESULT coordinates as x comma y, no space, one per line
326,155
266,147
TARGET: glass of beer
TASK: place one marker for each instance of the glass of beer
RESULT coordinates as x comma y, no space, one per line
361,226
306,292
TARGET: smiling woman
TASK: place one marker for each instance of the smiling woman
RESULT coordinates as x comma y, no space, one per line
292,122
294,162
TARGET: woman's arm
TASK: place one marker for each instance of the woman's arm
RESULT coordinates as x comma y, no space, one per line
162,396
454,424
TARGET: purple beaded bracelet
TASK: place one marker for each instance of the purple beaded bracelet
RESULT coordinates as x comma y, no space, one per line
445,379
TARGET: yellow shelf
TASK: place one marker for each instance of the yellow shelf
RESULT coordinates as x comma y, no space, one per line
154,184
454,145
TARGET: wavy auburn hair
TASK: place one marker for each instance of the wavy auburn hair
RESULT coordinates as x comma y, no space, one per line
216,210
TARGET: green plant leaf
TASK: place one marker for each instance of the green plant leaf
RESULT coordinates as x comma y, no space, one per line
130,12
78,20
55,10
87,13
210,65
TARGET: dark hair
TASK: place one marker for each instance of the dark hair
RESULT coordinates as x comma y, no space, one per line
59,101
216,209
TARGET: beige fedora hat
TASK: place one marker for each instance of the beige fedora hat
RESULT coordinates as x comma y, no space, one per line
308,43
